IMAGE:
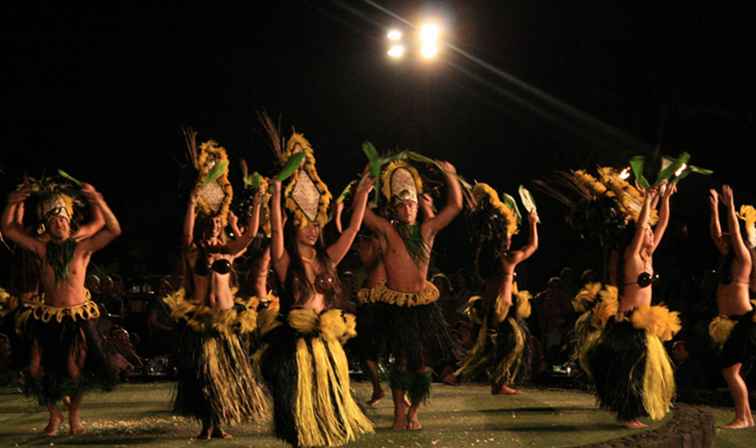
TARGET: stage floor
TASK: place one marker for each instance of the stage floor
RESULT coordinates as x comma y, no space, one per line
138,415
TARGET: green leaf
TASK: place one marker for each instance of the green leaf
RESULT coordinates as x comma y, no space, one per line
699,170
637,163
374,160
252,181
510,202
291,166
67,176
669,171
347,192
216,172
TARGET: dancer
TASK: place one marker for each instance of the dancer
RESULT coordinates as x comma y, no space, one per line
734,330
405,253
216,382
502,343
67,352
304,362
630,366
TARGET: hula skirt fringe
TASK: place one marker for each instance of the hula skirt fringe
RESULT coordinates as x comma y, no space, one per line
73,356
414,326
630,366
503,354
736,340
307,371
216,381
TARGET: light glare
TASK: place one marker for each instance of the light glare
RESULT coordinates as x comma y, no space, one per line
394,35
429,51
396,51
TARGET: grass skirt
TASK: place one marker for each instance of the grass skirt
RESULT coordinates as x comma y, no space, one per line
306,369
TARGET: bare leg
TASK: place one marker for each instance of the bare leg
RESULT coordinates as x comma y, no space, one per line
372,369
74,416
739,391
400,410
413,423
56,419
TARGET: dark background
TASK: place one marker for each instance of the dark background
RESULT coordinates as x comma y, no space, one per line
103,91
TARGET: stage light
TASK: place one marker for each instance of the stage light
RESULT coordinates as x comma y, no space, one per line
396,51
394,35
428,51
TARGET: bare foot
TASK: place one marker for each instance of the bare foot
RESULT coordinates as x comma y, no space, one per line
76,429
53,426
220,434
737,424
414,425
377,396
634,424
504,390
450,379
205,434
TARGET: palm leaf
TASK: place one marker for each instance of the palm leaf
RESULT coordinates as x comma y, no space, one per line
217,171
669,171
347,192
637,163
374,160
527,199
292,164
67,176
511,203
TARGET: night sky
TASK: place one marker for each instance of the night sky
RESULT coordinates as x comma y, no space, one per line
102,92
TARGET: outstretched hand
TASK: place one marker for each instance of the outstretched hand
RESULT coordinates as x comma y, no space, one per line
727,196
713,198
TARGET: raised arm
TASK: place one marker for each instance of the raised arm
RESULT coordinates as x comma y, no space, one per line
741,250
661,226
112,228
532,244
189,219
92,227
339,210
12,222
278,255
253,225
339,249
715,229
453,201
640,226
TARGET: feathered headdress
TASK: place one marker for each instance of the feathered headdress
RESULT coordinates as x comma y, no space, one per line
307,196
211,164
486,199
401,181
748,214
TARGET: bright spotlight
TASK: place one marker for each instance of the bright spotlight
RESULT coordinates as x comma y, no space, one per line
394,35
429,33
396,51
429,51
